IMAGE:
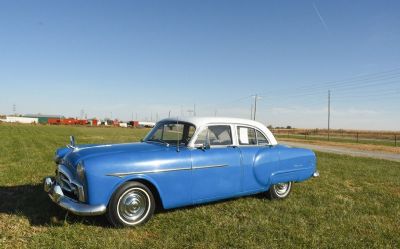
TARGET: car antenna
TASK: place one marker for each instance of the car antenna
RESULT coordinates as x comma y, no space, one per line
177,139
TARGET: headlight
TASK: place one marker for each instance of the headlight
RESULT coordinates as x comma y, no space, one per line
57,159
80,171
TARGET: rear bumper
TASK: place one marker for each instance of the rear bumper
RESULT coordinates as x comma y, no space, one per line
57,196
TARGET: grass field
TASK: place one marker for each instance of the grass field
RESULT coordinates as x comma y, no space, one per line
382,142
356,146
381,138
354,204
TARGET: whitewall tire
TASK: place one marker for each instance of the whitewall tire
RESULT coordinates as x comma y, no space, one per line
131,205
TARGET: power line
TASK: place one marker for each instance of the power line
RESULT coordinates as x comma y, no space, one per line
350,82
339,89
350,79
361,86
366,89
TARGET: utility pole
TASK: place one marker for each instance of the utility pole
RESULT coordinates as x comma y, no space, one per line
329,113
255,105
251,111
169,113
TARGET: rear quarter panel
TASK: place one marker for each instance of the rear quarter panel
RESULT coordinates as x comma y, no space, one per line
295,164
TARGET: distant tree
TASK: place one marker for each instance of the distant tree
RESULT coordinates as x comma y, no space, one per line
270,127
288,127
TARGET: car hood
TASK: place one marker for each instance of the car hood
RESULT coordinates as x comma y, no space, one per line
83,152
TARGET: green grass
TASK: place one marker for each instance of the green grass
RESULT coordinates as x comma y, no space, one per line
354,204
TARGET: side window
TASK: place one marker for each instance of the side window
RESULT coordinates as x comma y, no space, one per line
247,136
217,135
262,140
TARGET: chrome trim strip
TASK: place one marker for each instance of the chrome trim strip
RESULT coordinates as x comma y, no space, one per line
146,172
165,170
210,166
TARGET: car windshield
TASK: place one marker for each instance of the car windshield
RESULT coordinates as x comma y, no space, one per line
171,132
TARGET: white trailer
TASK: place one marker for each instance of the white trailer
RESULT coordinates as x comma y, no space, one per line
22,120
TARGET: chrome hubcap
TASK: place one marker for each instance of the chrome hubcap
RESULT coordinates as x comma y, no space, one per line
133,205
282,189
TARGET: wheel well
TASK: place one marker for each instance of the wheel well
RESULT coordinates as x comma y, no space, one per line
153,190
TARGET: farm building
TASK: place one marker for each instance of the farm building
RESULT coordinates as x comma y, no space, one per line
43,119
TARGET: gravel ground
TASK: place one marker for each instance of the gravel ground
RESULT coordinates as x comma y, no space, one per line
347,151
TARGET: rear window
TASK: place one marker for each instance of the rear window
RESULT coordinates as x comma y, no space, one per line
247,136
216,135
262,140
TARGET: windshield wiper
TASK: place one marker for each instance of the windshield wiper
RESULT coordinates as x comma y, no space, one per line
159,140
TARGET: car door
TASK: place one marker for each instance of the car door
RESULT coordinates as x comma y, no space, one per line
258,158
216,170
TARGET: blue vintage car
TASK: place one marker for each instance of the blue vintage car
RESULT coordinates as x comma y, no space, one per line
182,161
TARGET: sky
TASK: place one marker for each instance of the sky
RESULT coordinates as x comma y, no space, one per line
146,59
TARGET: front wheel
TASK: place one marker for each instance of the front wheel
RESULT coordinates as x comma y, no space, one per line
131,205
279,190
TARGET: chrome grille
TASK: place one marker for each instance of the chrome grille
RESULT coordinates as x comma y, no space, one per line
69,185
64,182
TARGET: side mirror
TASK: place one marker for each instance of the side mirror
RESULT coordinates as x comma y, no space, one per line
204,146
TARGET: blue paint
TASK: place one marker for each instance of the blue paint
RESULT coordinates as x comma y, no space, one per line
190,175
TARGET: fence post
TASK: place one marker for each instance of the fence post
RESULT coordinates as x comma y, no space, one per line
305,135
395,140
357,137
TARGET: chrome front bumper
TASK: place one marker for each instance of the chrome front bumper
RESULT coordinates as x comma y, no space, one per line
57,196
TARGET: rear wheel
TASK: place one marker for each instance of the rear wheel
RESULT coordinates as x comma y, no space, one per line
131,205
279,190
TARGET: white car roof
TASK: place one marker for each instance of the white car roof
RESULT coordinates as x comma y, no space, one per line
202,121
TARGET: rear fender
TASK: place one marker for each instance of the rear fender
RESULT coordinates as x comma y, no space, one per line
295,165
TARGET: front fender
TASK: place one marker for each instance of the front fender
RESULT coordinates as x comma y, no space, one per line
101,189
141,178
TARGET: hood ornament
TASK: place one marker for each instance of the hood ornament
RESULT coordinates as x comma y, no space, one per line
71,142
